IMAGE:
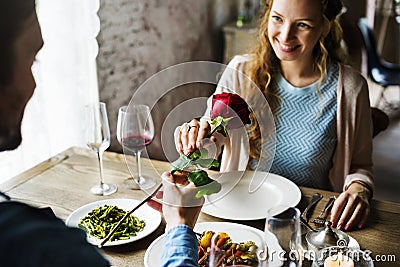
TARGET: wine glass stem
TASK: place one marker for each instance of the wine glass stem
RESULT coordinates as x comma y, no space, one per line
139,171
100,157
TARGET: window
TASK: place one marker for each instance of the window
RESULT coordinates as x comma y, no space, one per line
66,79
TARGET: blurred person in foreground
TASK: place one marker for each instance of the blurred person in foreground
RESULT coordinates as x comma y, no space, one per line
31,236
320,108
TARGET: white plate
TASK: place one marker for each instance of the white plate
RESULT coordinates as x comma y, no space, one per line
151,217
152,257
236,201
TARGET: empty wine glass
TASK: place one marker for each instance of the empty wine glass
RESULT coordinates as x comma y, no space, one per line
135,130
283,236
98,140
250,249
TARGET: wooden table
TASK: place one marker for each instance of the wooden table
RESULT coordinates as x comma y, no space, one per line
63,183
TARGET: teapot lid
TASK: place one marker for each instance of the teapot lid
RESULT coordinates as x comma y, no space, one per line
326,237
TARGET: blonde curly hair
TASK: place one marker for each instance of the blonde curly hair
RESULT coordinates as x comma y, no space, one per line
265,64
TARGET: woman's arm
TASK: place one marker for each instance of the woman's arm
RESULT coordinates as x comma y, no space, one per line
353,163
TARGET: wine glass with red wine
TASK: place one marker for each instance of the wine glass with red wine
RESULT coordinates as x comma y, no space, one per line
135,130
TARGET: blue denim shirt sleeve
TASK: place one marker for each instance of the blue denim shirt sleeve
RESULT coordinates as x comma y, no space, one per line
180,247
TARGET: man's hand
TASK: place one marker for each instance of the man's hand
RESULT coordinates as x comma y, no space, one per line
179,204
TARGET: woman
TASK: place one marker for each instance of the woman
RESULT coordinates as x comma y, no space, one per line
321,107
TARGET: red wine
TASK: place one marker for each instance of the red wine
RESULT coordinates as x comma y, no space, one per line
136,142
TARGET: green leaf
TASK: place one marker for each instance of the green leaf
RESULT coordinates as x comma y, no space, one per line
203,160
200,179
219,123
207,163
199,157
195,154
181,163
211,188
204,153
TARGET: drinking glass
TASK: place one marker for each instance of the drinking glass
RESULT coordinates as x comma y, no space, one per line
128,182
283,236
135,130
220,255
98,140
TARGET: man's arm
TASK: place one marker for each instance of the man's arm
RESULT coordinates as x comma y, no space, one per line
36,237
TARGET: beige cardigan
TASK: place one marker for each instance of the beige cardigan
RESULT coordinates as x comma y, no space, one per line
352,160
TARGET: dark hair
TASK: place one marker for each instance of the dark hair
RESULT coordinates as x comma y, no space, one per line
13,14
332,8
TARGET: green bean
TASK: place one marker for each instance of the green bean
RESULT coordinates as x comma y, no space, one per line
101,220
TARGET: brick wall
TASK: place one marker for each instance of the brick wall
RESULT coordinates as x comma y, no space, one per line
138,38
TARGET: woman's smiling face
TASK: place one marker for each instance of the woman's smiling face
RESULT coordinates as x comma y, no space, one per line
294,28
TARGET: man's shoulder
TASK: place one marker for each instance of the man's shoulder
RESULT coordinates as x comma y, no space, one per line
29,231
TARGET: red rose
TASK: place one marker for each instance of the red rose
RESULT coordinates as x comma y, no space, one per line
229,105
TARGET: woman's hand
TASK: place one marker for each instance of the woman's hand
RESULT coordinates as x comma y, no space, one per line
179,204
351,208
190,136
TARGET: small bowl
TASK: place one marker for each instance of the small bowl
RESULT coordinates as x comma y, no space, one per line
359,257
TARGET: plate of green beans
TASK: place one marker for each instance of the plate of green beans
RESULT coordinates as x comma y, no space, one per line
98,218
